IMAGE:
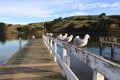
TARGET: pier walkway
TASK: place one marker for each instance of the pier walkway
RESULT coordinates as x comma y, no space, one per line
32,62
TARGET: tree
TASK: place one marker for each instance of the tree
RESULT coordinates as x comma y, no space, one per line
2,27
102,15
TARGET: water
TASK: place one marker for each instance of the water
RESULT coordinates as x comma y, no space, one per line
9,48
106,51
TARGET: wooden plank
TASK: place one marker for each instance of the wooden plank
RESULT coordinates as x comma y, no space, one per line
31,62
30,65
26,75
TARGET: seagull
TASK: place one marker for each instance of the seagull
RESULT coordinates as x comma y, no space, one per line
63,37
68,39
81,42
59,36
50,34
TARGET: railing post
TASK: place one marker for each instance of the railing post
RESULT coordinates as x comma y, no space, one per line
97,76
51,46
100,76
55,49
112,51
101,43
94,75
66,58
64,53
47,40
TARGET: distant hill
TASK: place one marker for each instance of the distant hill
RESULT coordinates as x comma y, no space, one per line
18,28
89,23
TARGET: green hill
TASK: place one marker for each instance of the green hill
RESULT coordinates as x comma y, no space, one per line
90,23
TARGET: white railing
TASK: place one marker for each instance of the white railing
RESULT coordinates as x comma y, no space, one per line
101,67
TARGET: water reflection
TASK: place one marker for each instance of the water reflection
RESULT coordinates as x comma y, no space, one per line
106,51
10,44
2,38
20,42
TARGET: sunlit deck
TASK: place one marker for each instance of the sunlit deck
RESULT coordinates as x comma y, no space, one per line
32,62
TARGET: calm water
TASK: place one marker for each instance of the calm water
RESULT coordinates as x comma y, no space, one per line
106,51
9,48
9,45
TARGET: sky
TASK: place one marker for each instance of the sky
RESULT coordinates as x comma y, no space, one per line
30,11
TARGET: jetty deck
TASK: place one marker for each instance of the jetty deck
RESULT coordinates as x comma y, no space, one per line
32,62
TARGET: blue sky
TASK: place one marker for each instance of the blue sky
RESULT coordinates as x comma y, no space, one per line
28,11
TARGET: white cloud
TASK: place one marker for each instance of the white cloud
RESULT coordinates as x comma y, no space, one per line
25,11
41,8
78,13
49,9
83,6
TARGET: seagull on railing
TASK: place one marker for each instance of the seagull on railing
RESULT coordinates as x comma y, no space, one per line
68,39
81,42
50,34
63,37
59,36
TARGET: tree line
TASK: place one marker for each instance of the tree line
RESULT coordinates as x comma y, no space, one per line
2,27
94,23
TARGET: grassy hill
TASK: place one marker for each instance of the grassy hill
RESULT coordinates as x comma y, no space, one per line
15,28
90,23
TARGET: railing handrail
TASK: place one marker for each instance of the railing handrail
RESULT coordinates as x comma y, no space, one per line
110,40
67,72
105,67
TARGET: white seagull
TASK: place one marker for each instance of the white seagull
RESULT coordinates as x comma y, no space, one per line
68,39
50,34
59,36
63,37
81,42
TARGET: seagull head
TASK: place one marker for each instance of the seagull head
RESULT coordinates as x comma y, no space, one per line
71,36
87,36
77,37
66,34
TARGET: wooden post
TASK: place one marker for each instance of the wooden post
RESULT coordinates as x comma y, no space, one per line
48,42
112,51
45,38
97,76
100,76
64,53
101,45
55,49
20,42
51,46
94,74
66,58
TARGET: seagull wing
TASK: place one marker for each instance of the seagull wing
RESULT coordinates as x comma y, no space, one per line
76,41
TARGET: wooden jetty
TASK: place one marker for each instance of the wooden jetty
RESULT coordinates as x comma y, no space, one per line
32,62
109,41
102,69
